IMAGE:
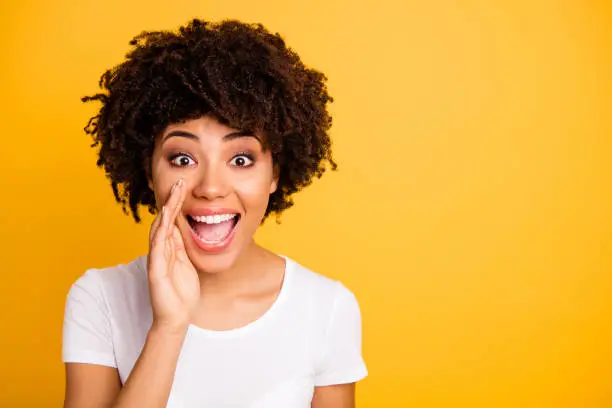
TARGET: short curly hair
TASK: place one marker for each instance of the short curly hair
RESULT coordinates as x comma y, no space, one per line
240,73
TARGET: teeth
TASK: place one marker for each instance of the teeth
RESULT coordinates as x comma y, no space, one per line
213,219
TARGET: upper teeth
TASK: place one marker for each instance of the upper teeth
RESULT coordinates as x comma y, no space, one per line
213,219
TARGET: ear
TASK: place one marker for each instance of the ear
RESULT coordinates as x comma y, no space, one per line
148,171
274,184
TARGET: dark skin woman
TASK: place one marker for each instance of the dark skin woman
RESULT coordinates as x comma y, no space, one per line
212,128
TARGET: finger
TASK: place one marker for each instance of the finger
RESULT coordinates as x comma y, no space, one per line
158,236
181,191
162,232
170,204
158,249
174,201
155,225
171,253
179,246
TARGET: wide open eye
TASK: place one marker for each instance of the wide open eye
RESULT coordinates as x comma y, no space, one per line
181,160
242,160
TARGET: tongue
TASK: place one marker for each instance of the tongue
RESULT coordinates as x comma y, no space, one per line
213,232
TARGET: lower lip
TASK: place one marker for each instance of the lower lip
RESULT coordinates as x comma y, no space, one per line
217,246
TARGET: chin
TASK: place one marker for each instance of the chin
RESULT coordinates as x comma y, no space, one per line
212,264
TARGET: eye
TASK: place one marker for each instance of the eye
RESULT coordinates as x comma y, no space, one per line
242,160
181,160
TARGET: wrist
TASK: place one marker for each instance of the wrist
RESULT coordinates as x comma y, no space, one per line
159,329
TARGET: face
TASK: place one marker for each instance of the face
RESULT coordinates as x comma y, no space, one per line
229,179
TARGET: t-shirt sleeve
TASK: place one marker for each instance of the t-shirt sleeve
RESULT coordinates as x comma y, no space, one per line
87,336
342,360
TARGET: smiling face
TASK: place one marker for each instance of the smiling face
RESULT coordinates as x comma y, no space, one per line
229,179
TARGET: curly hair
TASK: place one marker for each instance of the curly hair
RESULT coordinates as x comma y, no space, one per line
240,73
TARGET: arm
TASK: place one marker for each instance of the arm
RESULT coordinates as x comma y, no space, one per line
148,385
150,382
91,386
174,288
334,396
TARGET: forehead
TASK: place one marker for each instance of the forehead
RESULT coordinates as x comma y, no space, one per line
204,126
208,131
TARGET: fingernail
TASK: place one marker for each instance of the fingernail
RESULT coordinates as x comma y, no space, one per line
163,209
177,184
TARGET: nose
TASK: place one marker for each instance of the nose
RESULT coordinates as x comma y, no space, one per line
212,183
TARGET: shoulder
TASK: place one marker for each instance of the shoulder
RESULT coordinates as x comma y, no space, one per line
102,305
325,293
335,326
112,281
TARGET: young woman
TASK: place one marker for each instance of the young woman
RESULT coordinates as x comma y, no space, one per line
213,128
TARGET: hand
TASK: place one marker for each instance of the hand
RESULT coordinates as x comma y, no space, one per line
174,285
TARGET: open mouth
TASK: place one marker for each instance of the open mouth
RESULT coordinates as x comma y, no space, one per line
212,231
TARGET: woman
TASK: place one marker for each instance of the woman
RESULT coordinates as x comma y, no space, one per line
213,127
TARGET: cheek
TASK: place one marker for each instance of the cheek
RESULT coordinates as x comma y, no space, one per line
254,192
161,183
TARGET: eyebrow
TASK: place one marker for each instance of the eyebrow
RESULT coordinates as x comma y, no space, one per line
226,138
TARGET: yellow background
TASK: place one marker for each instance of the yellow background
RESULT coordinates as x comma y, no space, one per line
471,213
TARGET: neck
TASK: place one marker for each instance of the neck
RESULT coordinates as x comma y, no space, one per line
249,268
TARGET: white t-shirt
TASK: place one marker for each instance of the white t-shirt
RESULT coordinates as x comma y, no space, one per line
311,336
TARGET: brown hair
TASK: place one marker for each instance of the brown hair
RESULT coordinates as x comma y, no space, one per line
240,73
